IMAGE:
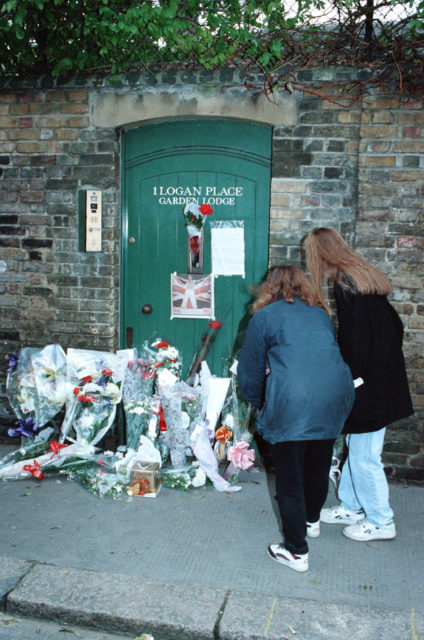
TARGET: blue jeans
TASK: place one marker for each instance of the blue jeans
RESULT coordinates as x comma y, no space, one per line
363,483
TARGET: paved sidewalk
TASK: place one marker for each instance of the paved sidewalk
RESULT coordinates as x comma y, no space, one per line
193,565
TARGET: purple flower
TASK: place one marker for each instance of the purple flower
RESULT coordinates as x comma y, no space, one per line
102,381
27,427
13,361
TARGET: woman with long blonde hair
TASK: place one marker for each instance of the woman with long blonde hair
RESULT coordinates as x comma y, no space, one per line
291,370
370,335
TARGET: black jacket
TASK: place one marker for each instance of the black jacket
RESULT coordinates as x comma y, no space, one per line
370,338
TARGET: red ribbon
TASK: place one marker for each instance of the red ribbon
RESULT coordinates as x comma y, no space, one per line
54,446
34,470
162,423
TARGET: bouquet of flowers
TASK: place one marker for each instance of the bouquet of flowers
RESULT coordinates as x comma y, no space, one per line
90,411
137,394
44,455
236,420
22,392
37,390
109,474
166,356
194,220
182,406
96,378
50,375
195,216
191,477
31,447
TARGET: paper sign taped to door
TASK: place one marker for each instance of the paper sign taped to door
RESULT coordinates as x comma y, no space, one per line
227,244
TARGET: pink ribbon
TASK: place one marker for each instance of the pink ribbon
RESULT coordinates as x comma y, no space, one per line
240,456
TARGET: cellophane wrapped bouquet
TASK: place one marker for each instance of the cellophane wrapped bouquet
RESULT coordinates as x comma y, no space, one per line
187,436
182,408
95,378
234,435
140,404
37,389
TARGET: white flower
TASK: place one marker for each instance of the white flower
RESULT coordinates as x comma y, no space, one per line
91,387
199,478
113,392
85,421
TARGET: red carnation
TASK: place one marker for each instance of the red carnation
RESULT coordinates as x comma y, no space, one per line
214,324
205,210
86,379
76,391
161,345
107,372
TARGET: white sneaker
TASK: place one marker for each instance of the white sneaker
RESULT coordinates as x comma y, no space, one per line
364,531
280,554
340,515
312,529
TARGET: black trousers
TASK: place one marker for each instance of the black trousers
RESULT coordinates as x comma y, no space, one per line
302,471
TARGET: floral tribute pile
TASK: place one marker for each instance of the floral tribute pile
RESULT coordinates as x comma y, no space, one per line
179,433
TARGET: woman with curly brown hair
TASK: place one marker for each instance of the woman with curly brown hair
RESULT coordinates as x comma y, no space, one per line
304,400
370,335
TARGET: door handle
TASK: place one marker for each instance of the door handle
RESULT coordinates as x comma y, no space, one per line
130,333
147,308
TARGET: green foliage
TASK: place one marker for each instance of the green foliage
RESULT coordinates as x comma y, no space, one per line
62,36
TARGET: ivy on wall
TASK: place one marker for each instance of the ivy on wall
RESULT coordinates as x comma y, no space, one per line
111,36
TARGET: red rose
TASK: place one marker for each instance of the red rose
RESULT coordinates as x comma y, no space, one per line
86,379
76,391
205,210
162,345
86,398
107,372
214,324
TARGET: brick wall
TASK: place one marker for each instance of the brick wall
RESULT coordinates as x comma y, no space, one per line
360,170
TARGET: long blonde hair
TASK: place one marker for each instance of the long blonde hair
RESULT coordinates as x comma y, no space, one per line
328,256
287,283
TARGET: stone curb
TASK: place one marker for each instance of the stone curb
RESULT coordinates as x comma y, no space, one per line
12,570
176,611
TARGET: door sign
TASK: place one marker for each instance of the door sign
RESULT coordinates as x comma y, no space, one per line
183,195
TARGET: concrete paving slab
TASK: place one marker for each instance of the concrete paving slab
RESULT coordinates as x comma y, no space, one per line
117,603
248,617
11,571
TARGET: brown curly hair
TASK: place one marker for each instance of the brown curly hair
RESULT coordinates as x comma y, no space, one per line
286,283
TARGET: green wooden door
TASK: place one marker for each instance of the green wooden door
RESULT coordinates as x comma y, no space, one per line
223,163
